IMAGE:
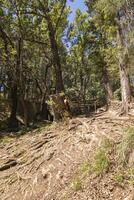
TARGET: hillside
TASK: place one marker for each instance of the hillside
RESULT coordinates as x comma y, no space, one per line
66,100
84,158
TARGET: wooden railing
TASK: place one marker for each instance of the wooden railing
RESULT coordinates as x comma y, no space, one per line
83,107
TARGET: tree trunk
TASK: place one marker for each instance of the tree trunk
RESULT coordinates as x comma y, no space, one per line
107,85
81,80
44,107
125,85
13,122
19,77
56,57
105,75
25,111
60,109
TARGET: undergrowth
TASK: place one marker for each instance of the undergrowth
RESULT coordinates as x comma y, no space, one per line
126,146
101,161
98,165
4,140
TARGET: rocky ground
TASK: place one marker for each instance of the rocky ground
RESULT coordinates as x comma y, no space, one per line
55,162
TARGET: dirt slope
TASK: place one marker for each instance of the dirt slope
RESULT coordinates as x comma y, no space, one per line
43,164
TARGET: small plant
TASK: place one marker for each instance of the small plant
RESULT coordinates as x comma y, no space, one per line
85,167
106,144
4,140
62,94
131,176
50,102
101,162
126,146
76,184
119,178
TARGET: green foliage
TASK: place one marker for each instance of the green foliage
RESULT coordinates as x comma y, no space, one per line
62,94
50,102
76,184
126,146
101,162
88,48
4,140
124,174
130,172
85,167
119,177
117,94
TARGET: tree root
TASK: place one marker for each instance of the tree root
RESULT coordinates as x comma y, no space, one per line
9,164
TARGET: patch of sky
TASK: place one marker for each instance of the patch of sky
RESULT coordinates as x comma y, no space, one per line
76,4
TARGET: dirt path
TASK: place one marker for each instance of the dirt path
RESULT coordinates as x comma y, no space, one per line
42,164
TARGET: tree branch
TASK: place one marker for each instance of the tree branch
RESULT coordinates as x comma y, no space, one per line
35,41
5,36
59,18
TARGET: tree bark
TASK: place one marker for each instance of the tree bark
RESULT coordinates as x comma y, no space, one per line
125,87
13,122
125,84
55,54
107,85
25,111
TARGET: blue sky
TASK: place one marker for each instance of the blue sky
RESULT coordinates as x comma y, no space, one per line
74,6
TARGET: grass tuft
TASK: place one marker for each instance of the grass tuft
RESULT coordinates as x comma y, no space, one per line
126,146
101,162
119,177
85,167
131,176
76,184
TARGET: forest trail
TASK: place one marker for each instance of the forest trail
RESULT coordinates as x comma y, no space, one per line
43,164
